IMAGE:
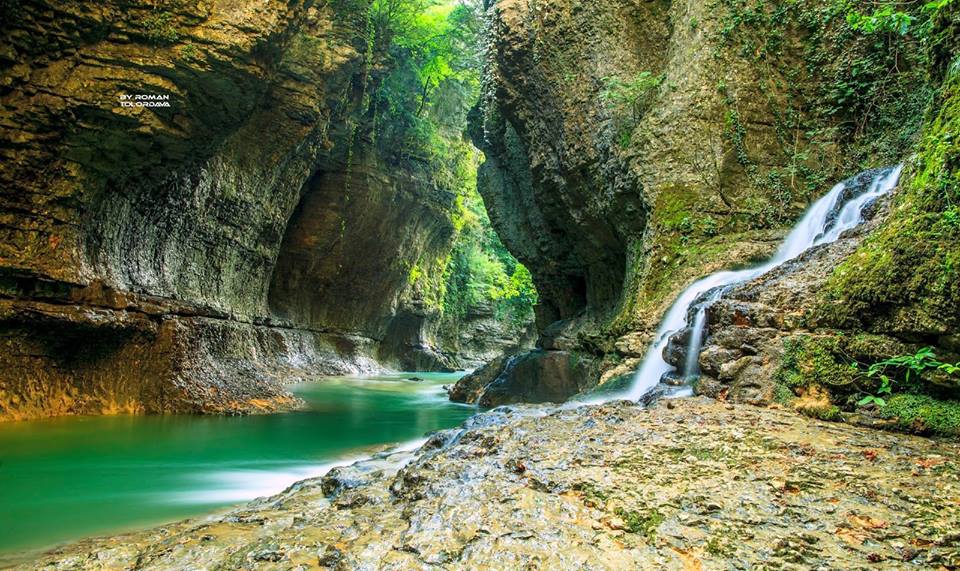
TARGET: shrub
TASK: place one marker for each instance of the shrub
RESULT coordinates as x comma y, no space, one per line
634,94
160,30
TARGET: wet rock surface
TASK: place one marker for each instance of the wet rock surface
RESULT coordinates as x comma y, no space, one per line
470,387
690,484
537,376
747,327
140,243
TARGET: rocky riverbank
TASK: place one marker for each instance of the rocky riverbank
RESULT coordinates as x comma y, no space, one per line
687,484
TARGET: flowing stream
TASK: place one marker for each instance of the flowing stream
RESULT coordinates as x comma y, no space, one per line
825,221
66,478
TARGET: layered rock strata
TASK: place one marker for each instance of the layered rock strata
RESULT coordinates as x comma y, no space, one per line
633,147
192,211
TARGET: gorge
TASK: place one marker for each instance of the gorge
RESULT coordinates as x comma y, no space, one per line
660,245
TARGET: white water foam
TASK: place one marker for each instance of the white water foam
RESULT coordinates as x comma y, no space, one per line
236,486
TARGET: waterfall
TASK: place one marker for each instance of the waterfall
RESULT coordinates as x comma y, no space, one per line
691,368
824,222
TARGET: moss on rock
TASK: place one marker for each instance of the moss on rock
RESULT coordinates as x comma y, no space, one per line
818,360
924,414
905,278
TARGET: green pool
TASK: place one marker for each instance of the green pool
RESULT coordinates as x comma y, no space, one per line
68,478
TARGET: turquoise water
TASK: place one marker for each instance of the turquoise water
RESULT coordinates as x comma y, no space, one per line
68,478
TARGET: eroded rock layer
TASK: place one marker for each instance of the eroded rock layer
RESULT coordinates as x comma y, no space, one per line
633,147
241,228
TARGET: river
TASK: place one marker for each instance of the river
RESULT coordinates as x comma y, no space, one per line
67,478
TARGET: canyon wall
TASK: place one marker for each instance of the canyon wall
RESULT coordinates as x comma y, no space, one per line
193,255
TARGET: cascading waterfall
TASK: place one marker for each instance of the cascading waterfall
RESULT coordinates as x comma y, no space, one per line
691,368
823,223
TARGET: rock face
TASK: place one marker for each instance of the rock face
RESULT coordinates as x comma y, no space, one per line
747,328
632,147
189,255
691,485
885,292
534,377
805,334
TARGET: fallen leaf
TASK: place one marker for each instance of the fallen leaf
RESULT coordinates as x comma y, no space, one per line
690,563
867,522
850,536
929,462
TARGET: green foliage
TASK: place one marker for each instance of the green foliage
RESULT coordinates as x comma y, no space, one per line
903,373
417,115
858,84
645,524
190,52
160,30
888,18
909,270
634,95
482,272
419,108
883,19
924,414
783,395
893,385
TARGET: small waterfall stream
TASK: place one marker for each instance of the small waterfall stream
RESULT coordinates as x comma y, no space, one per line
823,223
691,368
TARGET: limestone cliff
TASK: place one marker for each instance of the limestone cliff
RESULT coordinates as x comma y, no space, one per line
635,146
890,289
242,228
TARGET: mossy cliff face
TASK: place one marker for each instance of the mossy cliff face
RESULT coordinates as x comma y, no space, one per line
633,147
806,334
189,257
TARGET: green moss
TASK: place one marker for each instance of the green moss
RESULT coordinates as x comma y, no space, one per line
415,275
698,452
160,30
593,495
190,52
864,90
924,414
820,360
909,270
645,524
719,546
783,395
831,413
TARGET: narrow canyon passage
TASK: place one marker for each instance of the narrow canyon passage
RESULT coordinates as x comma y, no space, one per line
298,221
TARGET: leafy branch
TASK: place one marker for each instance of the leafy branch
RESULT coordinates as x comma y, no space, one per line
912,367
635,94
